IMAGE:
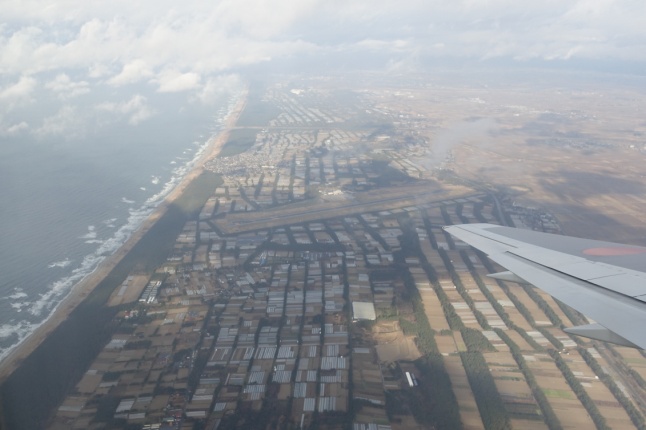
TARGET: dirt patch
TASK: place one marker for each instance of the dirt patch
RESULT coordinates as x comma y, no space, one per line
392,344
129,291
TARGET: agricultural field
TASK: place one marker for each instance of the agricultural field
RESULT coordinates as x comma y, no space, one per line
316,287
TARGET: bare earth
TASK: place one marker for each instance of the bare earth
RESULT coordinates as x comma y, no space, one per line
82,289
392,344
130,292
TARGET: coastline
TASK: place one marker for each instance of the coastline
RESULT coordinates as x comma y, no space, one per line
84,287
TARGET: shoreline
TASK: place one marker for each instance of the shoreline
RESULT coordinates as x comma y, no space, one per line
81,290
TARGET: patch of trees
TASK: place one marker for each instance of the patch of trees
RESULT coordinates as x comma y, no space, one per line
549,336
485,291
238,142
390,176
106,405
437,406
580,392
576,317
476,341
548,413
638,378
447,221
198,366
463,292
111,376
429,232
542,304
458,213
257,112
492,410
517,303
631,410
477,212
374,233
386,128
420,327
455,322
139,344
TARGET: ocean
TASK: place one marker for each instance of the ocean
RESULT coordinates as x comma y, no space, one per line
69,199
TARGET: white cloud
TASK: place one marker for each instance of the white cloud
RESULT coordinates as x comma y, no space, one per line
19,92
98,70
181,48
13,129
131,73
382,45
139,40
66,88
214,88
68,122
261,19
136,109
173,81
122,32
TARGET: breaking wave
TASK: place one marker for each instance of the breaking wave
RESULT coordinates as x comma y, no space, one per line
44,304
91,233
61,264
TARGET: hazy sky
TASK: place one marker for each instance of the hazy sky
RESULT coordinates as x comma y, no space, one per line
111,57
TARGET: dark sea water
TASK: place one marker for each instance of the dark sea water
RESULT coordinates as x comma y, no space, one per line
69,200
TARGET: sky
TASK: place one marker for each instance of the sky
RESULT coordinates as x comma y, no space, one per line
114,61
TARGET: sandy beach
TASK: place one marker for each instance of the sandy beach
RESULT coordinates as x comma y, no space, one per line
83,288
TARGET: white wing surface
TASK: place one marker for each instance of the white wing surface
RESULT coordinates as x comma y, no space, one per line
605,281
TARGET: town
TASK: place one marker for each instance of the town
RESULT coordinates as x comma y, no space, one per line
317,289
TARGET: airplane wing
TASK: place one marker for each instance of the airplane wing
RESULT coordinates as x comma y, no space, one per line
604,281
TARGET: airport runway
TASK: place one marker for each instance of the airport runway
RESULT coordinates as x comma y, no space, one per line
321,212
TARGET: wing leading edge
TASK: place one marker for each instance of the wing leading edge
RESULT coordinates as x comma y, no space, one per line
602,280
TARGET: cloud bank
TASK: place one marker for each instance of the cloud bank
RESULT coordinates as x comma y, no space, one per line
70,48
130,41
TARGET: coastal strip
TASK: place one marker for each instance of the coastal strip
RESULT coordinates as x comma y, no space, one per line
83,288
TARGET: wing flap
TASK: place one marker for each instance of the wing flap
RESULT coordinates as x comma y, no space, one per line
599,332
508,277
624,283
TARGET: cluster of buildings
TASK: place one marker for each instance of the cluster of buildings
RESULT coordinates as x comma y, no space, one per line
287,165
300,325
253,323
